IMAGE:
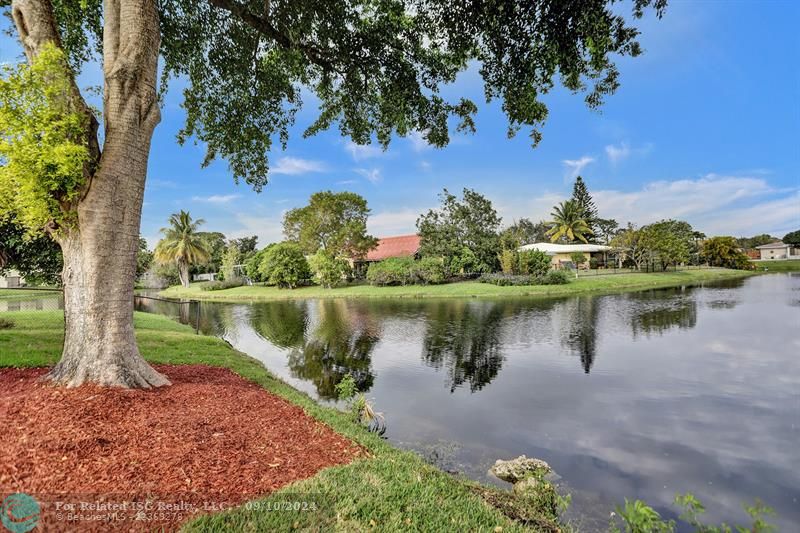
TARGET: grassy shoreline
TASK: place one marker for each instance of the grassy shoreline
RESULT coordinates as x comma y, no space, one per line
392,490
466,289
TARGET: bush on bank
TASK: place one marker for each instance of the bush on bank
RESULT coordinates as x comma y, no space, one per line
553,277
406,271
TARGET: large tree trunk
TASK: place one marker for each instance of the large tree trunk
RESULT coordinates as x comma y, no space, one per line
100,252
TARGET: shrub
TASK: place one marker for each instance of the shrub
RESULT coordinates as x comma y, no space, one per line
6,324
725,252
533,262
428,270
252,265
392,271
328,269
555,277
593,263
284,265
509,261
223,284
466,262
506,280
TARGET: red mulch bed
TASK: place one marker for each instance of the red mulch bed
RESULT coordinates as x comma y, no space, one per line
212,439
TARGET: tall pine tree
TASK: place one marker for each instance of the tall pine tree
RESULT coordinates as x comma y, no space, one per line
581,196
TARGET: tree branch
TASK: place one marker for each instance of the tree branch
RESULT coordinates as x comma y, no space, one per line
263,26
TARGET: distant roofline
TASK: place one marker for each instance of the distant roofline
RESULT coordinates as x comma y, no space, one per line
776,244
556,248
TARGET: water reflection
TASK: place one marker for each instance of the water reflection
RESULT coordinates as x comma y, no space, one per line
579,333
463,338
281,323
637,395
656,312
340,343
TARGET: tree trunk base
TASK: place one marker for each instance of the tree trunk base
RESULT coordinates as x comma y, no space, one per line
128,371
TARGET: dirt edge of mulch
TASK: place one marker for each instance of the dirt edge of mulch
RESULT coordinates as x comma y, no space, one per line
103,458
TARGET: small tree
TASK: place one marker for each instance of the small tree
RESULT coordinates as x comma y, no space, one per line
329,269
587,211
284,265
509,261
534,263
724,252
579,258
230,258
182,244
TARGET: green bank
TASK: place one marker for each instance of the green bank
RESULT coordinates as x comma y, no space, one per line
789,265
588,283
393,490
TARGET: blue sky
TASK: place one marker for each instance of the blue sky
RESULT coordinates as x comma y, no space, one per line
706,128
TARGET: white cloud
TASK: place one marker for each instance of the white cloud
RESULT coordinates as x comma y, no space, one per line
373,174
388,223
624,151
713,204
618,153
363,151
346,182
575,166
216,198
418,141
424,165
294,166
267,228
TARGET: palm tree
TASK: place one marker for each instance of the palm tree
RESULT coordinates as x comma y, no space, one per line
568,224
182,244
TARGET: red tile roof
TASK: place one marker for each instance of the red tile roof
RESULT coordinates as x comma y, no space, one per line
400,246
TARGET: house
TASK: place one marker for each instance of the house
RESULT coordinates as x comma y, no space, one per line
562,253
778,250
399,246
11,280
388,247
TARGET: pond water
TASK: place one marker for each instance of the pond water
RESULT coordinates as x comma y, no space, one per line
637,395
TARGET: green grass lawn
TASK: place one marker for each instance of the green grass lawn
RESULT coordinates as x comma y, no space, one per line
789,265
391,491
20,294
589,283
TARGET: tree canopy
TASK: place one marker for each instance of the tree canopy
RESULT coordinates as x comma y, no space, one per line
792,238
332,221
568,224
587,211
377,68
522,232
42,145
460,228
724,252
182,244
36,257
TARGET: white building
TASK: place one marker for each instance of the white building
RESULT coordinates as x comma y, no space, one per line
562,253
778,250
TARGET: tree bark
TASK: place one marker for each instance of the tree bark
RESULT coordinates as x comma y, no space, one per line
100,251
183,273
